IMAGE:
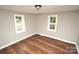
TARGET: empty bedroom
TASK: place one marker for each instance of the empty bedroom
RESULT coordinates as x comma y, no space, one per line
39,29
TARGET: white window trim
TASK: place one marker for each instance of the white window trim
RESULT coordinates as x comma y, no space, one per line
23,23
55,23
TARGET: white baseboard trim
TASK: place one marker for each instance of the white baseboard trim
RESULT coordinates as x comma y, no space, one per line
58,38
16,41
77,48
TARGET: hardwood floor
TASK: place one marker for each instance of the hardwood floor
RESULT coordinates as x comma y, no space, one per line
38,44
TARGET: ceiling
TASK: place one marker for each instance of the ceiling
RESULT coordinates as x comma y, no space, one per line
43,10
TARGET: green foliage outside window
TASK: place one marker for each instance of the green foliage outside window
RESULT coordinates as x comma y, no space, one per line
19,22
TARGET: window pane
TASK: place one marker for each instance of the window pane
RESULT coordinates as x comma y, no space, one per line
52,26
18,23
52,19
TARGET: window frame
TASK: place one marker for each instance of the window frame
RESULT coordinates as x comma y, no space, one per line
23,23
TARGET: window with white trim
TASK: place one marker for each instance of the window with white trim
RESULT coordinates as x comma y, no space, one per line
19,23
52,23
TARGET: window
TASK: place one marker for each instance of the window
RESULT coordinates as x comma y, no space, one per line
52,22
19,23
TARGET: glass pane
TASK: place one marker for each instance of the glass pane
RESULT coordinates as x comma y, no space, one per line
19,23
52,19
52,26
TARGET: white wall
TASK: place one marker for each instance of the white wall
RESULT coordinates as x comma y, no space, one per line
67,27
7,27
